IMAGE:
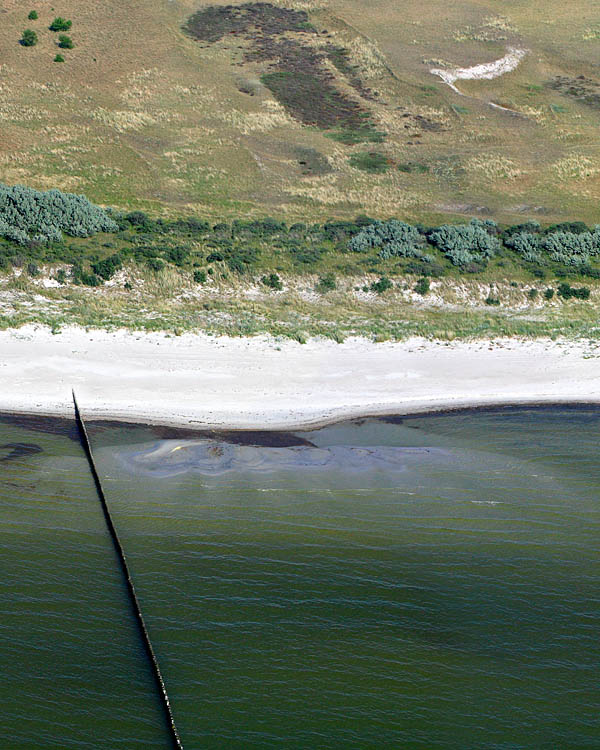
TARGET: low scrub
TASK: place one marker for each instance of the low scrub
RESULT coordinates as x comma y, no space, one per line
466,243
391,238
28,215
60,24
370,161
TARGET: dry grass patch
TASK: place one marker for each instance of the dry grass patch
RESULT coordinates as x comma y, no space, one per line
576,167
494,167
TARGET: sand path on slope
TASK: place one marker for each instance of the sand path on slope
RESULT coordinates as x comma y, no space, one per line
484,71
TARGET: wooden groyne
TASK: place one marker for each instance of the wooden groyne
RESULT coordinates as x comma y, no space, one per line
160,683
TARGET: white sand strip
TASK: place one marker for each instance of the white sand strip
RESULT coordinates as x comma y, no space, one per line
488,71
200,381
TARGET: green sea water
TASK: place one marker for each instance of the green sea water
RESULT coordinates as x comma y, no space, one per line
432,582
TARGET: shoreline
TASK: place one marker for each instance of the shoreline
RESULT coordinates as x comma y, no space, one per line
202,383
273,436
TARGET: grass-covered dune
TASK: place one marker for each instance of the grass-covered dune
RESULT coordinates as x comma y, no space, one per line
65,260
305,110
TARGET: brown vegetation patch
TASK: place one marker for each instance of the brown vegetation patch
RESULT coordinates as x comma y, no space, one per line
312,162
215,22
297,74
583,89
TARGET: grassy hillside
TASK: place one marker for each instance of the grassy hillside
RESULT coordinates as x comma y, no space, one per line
240,120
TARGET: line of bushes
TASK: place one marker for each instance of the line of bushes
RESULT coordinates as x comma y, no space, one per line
33,223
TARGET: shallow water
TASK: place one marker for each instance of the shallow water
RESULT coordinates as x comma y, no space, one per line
73,672
429,583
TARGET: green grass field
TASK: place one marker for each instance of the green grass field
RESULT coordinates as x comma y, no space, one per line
142,115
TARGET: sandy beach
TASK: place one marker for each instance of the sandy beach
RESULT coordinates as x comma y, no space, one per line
200,381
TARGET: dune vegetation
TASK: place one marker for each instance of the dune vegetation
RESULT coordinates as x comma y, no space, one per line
195,123
306,109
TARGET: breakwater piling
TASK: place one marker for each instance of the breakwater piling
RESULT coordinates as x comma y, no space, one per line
137,611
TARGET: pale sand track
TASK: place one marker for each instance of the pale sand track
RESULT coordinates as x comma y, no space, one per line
200,381
484,71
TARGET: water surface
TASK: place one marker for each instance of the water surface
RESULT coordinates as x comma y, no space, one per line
422,583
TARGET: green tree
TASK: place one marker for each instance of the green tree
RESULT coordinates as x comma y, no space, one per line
33,16
60,24
59,58
29,38
65,42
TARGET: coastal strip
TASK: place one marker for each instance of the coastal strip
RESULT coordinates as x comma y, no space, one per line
162,689
205,382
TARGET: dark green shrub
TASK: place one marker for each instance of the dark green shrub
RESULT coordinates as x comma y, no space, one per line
267,226
33,16
29,38
422,286
494,301
307,255
177,255
155,264
571,227
199,277
566,291
59,58
581,292
529,227
362,220
65,42
370,161
240,259
33,270
532,293
382,285
191,226
139,220
90,279
61,276
337,231
60,24
418,268
107,268
549,293
326,283
272,281
592,273
222,230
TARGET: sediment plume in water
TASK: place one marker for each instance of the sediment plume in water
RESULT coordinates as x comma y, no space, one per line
208,457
